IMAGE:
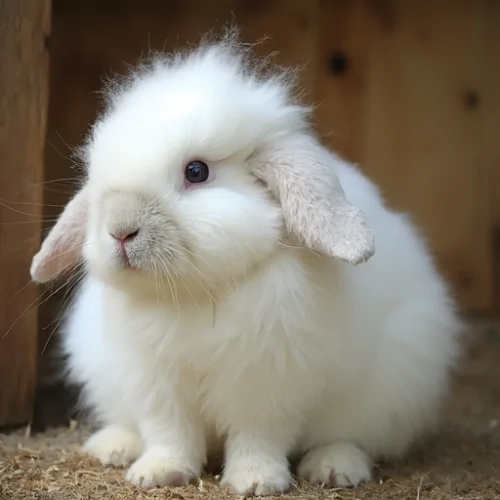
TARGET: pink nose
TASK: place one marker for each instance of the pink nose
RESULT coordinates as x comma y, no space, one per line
124,236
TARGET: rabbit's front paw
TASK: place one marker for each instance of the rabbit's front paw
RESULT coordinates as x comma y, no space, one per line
114,445
337,465
258,480
157,468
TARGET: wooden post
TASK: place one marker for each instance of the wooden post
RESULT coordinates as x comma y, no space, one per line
24,28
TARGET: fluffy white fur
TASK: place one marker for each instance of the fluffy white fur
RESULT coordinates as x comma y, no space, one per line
226,331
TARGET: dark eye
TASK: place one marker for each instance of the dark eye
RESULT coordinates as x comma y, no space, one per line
196,171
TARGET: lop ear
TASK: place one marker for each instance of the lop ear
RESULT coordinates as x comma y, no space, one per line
61,249
301,175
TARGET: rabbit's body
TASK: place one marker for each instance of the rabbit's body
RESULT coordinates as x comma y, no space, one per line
318,351
204,317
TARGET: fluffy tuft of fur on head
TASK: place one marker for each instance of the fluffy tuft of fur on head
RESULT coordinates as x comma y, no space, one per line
238,86
219,309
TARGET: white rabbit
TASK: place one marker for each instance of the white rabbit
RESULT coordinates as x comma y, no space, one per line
220,303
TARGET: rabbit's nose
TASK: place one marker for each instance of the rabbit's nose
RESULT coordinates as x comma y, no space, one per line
124,236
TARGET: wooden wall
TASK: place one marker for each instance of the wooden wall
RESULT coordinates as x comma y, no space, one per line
24,26
409,90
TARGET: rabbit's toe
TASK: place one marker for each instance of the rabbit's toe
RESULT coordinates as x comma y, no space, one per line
157,469
114,445
337,465
249,479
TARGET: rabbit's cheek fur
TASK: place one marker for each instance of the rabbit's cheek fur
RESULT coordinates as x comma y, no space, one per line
205,237
229,232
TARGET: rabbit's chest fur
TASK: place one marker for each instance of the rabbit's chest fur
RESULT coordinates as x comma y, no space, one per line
281,330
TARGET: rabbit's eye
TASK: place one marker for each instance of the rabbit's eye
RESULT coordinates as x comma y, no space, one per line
196,171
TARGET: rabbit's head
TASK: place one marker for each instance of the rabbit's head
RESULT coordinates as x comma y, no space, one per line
201,165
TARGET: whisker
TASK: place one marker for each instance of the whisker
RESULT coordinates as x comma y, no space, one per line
180,253
203,283
36,204
77,247
28,308
12,209
299,247
69,191
70,180
200,277
171,282
21,290
155,274
60,153
65,307
188,290
13,222
70,148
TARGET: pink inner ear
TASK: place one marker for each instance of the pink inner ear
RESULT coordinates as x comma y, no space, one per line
61,250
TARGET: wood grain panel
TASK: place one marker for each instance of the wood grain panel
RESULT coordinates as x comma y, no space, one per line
24,27
342,76
488,101
423,140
